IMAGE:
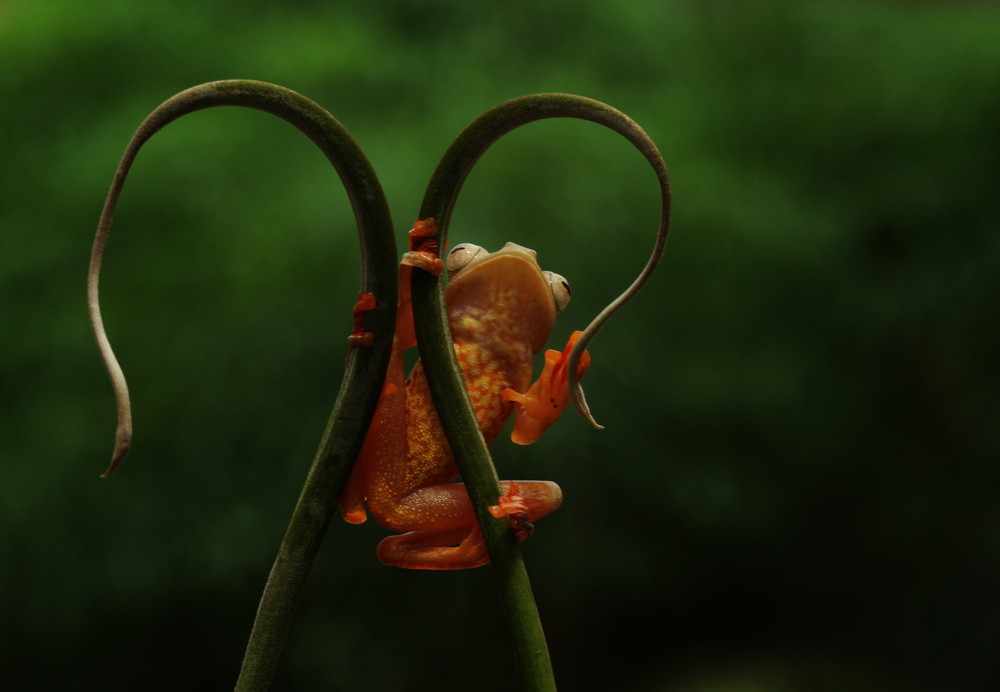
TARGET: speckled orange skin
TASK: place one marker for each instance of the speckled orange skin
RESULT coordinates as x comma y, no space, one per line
501,313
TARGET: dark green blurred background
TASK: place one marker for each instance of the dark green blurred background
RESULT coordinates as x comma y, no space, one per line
798,485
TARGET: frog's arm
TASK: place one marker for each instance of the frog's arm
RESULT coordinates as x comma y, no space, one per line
422,254
545,400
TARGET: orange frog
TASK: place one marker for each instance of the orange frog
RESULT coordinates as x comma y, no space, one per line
501,308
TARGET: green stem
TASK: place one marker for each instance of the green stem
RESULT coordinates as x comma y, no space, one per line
366,367
441,365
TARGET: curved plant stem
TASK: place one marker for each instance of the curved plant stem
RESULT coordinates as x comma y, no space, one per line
441,365
366,367
489,127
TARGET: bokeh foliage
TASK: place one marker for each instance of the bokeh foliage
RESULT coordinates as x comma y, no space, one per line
798,485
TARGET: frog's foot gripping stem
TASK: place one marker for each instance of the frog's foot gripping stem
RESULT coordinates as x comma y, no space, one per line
539,407
512,505
360,336
424,247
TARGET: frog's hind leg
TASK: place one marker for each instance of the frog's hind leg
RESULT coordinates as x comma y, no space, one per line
386,439
434,549
453,539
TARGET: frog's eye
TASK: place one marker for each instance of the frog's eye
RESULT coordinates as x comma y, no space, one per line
560,289
461,255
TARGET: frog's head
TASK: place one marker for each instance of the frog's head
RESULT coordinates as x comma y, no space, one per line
506,287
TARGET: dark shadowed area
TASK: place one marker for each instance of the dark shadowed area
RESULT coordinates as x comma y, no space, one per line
798,485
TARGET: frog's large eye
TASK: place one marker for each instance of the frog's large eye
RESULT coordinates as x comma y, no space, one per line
461,255
560,289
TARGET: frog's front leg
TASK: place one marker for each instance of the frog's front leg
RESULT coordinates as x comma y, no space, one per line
443,532
539,407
